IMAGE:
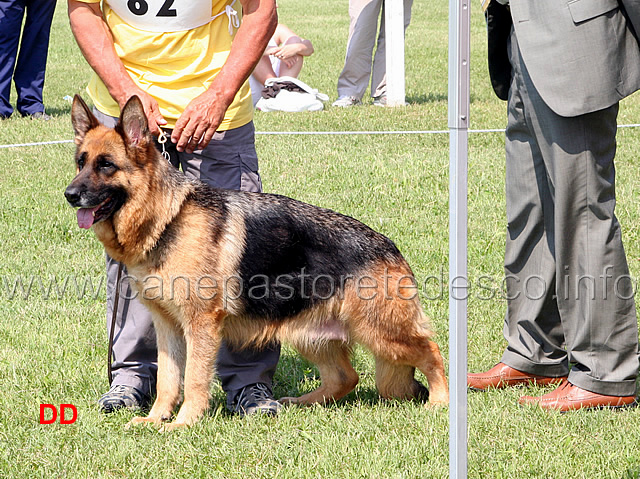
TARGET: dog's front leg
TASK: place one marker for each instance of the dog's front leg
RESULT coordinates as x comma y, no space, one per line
202,337
171,359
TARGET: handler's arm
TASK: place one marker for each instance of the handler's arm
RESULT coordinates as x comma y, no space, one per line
96,44
197,124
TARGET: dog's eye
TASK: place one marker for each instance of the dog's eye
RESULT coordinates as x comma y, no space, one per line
81,161
104,163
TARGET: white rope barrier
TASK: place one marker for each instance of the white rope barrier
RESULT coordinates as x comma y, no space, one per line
18,145
275,133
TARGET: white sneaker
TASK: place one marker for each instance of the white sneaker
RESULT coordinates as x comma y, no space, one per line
346,101
380,100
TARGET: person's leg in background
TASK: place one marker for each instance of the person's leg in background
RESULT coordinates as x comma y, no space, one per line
11,15
354,79
379,70
32,61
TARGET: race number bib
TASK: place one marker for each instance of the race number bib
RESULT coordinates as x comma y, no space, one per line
163,15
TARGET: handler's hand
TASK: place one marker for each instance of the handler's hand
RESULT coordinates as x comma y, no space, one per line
198,123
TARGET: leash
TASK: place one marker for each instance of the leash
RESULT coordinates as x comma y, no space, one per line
114,314
162,139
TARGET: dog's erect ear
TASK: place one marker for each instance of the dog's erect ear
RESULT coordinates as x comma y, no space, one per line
82,119
133,123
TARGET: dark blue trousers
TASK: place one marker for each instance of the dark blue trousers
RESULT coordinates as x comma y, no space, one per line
26,68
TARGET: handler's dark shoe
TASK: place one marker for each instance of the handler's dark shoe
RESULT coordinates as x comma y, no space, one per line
502,376
568,397
121,396
255,399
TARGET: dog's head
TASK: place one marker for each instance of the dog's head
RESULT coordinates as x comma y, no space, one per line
105,158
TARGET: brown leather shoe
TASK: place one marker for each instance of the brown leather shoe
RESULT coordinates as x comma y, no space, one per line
568,397
501,376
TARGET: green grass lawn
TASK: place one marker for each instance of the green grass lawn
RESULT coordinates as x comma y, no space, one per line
53,340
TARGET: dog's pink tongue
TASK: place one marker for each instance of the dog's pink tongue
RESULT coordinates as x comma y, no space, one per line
85,217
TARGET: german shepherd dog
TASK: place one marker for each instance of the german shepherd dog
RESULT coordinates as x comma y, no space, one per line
266,268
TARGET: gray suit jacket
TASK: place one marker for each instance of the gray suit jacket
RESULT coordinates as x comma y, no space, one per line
582,55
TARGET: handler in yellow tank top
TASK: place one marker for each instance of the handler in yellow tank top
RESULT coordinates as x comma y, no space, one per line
177,56
172,66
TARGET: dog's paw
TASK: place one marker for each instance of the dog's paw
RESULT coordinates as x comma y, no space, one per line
172,426
288,401
438,401
143,420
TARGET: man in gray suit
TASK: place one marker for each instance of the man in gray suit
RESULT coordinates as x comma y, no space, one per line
563,66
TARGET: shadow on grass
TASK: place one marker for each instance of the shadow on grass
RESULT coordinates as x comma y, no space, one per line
57,111
423,98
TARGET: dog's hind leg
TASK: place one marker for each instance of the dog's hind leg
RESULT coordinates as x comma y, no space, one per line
397,332
337,376
395,366
432,366
396,381
171,360
395,372
388,320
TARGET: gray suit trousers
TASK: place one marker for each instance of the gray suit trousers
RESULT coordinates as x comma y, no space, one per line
570,298
229,161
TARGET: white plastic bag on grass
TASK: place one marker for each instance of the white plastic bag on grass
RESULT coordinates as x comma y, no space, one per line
291,95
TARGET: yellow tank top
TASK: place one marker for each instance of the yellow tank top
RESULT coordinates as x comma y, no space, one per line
173,52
